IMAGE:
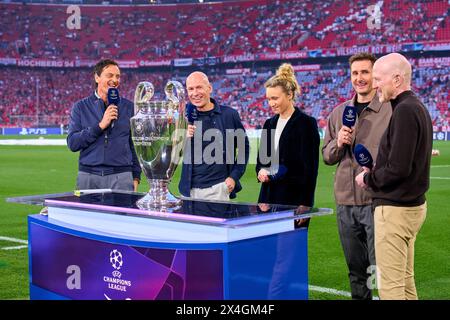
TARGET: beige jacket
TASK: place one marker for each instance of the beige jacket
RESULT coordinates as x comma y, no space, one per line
369,128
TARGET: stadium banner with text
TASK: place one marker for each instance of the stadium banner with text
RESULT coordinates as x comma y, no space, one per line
154,63
441,135
294,54
208,61
239,58
8,62
127,64
45,63
31,131
433,62
334,52
307,67
237,71
185,62
265,56
436,46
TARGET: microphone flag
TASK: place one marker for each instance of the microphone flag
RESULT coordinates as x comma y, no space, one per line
191,113
113,98
349,116
363,156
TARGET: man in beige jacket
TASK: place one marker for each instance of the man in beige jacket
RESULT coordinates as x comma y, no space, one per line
354,204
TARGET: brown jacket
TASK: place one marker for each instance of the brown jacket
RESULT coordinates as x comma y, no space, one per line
369,128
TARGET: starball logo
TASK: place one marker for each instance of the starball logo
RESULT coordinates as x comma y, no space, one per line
116,282
350,116
363,159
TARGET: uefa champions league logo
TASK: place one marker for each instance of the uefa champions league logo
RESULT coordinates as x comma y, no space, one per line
363,159
350,116
116,282
115,257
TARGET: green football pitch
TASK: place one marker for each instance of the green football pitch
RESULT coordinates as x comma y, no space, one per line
31,170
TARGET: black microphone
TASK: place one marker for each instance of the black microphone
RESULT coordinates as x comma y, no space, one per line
349,116
363,156
113,99
191,113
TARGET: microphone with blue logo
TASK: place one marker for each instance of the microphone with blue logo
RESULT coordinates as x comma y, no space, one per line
113,99
363,156
191,113
349,116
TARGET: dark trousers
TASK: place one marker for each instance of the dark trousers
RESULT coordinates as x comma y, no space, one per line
356,231
118,181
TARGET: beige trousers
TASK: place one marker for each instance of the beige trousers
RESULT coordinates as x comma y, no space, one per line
217,192
396,229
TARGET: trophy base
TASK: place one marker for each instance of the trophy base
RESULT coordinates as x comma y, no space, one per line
159,198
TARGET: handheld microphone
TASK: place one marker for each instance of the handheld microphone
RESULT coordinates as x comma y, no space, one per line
363,156
349,116
191,113
277,173
113,99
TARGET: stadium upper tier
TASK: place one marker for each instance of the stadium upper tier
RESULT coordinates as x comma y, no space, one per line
155,32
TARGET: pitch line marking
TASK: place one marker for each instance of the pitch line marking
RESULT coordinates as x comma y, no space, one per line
440,178
16,241
334,291
14,248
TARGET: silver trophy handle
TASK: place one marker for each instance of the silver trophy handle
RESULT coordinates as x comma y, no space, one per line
175,92
144,92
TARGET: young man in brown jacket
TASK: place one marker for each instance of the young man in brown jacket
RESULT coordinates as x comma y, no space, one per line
353,203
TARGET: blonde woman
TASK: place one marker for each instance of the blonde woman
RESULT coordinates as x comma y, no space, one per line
288,156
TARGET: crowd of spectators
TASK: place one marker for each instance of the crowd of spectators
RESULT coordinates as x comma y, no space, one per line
215,29
34,96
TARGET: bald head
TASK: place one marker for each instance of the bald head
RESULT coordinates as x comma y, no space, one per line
392,75
397,64
199,91
197,76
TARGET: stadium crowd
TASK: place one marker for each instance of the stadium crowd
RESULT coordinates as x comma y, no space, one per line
160,32
214,29
49,93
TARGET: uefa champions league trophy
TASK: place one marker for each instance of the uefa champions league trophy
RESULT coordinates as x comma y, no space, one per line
158,130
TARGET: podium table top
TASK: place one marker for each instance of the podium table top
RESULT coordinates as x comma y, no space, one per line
225,214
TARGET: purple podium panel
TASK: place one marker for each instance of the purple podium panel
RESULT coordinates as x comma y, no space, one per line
79,268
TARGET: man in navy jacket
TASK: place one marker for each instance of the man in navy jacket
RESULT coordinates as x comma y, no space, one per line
102,134
217,147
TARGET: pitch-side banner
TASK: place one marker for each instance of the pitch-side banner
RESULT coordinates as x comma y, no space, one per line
441,135
31,131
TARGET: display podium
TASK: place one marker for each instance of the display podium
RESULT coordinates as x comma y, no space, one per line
102,246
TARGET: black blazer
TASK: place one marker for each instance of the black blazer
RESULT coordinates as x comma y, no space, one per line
298,152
